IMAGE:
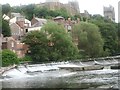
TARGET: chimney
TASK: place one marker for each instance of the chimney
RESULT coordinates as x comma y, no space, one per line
33,15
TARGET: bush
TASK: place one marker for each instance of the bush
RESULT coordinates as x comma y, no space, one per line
26,58
9,58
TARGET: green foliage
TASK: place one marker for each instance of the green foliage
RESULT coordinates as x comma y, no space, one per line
75,17
109,32
45,12
6,28
6,8
16,9
26,58
119,38
52,43
41,12
28,11
9,58
90,42
119,30
63,12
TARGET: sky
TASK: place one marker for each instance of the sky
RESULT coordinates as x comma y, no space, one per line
92,6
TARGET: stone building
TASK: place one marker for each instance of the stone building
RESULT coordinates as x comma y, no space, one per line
14,45
109,13
18,25
53,4
85,14
36,23
72,7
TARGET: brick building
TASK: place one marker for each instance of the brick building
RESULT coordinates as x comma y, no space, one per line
16,46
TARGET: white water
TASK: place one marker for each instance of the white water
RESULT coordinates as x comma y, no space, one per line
43,68
21,71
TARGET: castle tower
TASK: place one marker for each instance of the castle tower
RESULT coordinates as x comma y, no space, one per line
109,13
53,4
73,6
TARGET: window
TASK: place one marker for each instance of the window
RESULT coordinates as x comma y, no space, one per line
12,44
26,30
69,27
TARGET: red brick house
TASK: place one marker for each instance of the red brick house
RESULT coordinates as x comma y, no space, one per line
16,46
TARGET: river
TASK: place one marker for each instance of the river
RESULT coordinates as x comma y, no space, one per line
50,76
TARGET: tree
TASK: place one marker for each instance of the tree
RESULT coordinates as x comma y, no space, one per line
109,32
6,8
52,43
45,12
89,39
118,38
41,12
9,58
6,28
28,10
63,12
16,9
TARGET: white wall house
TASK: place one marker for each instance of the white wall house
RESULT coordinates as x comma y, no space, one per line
27,23
5,17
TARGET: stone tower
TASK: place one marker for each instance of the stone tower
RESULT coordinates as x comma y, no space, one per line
109,13
53,4
73,6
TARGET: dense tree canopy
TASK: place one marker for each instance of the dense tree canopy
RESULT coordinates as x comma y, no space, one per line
5,28
109,32
46,13
89,39
51,43
6,8
28,11
41,12
119,38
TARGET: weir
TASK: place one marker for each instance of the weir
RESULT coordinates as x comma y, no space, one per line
90,74
41,68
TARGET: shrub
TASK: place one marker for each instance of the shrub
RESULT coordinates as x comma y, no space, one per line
9,58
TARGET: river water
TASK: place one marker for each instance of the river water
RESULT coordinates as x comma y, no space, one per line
50,76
